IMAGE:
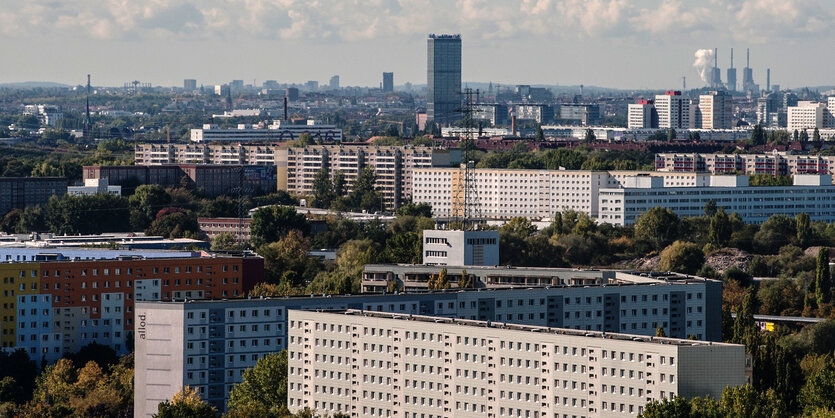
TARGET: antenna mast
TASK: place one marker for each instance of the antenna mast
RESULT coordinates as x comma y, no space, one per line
469,208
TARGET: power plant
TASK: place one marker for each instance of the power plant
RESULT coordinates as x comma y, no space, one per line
731,78
711,74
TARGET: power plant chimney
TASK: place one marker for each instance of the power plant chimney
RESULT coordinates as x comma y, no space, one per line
732,58
285,108
715,57
768,79
747,57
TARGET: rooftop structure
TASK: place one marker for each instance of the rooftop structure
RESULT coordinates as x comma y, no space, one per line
277,132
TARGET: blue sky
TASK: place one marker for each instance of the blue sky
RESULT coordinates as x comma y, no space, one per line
613,43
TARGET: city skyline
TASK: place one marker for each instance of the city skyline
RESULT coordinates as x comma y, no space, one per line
606,42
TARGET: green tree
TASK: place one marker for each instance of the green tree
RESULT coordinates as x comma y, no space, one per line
590,135
176,223
271,223
338,184
540,136
145,202
322,189
816,135
776,232
263,387
677,407
818,390
364,196
804,136
746,401
823,285
671,135
758,136
744,324
225,242
412,209
658,226
804,229
710,208
186,404
720,228
659,332
682,257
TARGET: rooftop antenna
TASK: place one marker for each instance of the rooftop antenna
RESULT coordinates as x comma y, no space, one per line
683,83
467,195
732,58
747,57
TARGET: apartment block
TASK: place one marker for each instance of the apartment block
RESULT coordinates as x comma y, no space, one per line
212,180
208,344
507,193
461,248
541,113
806,115
717,110
773,164
810,194
387,364
297,166
54,308
642,115
21,192
674,111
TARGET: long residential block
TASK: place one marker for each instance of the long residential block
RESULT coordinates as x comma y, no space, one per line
54,308
296,167
771,164
208,344
212,180
374,364
21,192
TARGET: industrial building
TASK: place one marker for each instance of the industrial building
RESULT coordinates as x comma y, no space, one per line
208,344
389,364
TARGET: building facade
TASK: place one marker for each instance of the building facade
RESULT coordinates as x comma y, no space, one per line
772,164
21,192
508,193
423,366
388,82
210,179
53,308
208,344
674,111
642,115
541,113
717,110
276,132
461,248
810,194
443,78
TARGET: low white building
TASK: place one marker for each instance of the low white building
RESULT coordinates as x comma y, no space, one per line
94,187
461,248
810,194
276,132
377,364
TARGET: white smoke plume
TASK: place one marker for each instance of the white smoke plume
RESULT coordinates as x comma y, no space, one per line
703,64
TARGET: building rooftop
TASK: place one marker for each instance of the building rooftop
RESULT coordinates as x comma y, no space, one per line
529,328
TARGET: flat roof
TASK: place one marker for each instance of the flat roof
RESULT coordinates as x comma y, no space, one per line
529,328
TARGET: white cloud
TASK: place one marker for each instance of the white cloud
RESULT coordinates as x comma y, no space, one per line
357,20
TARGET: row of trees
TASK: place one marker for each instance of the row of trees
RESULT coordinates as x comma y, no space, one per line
333,192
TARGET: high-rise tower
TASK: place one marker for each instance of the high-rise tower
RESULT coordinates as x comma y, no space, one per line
715,74
443,78
388,82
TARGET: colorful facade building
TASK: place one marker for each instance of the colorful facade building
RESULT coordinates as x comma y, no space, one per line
58,307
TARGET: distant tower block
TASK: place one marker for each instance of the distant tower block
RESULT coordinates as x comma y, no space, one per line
768,79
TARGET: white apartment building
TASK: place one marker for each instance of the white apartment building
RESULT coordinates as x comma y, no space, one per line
276,132
508,193
810,194
208,344
461,248
374,364
642,115
717,110
673,111
806,115
94,187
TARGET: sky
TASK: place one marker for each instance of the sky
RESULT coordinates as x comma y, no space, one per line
639,44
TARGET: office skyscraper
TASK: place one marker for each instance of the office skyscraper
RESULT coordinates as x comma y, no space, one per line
388,82
443,74
334,83
189,84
